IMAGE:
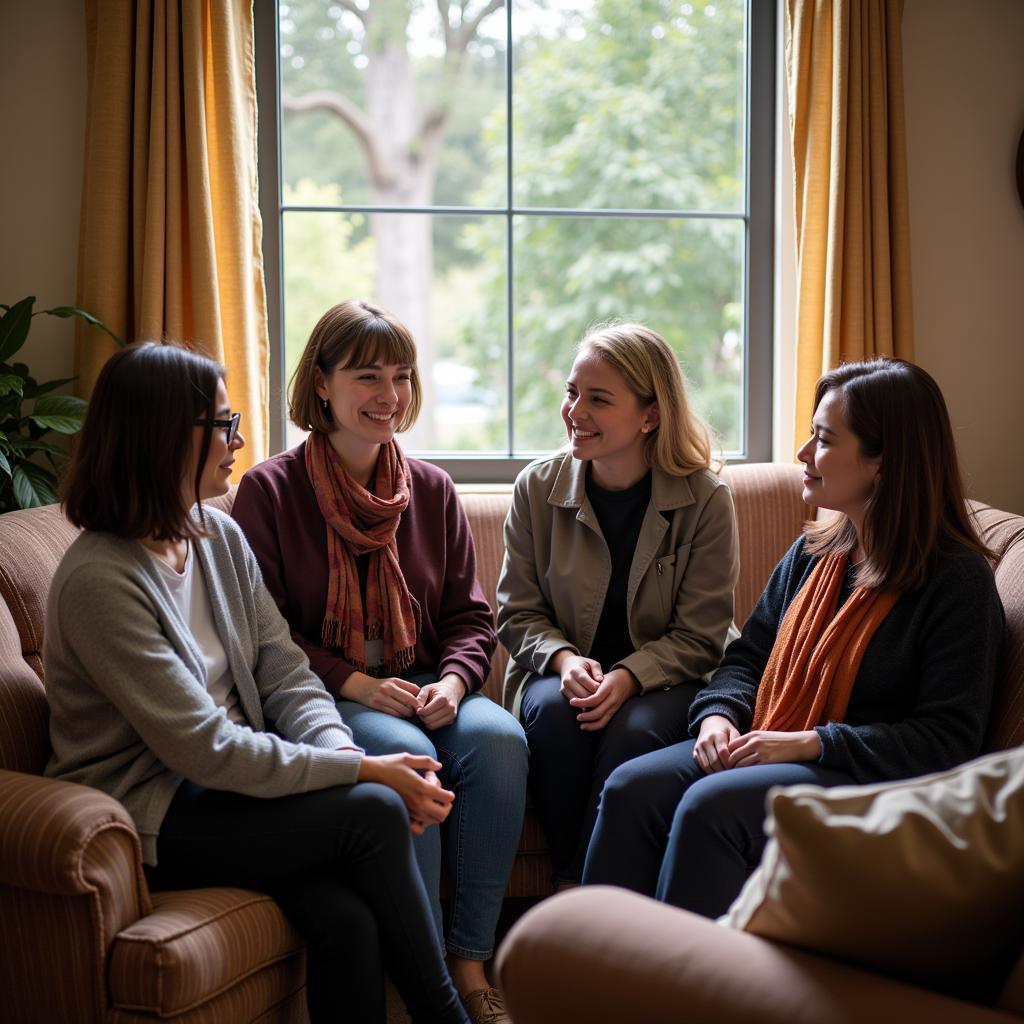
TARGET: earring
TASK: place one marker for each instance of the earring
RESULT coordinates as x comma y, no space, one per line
644,429
326,404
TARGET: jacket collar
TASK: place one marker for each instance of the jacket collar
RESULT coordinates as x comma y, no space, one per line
570,487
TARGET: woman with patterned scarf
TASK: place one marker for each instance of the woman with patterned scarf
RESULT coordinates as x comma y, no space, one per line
370,558
870,656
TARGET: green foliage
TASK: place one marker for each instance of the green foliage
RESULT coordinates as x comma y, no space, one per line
28,461
328,258
631,105
617,104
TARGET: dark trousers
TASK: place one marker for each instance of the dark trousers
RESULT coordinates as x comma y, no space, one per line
669,830
339,863
568,767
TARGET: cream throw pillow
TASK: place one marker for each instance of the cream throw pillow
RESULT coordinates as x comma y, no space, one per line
921,879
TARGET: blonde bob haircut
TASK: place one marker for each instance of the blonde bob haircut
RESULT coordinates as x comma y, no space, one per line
681,443
350,335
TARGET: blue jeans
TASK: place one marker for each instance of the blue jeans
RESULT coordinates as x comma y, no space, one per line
667,829
568,767
484,759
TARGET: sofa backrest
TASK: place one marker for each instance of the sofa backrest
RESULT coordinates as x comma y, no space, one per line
769,515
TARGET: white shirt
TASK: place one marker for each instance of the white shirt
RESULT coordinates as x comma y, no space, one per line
188,590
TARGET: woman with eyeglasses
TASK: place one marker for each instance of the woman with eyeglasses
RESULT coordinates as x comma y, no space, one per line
175,687
370,557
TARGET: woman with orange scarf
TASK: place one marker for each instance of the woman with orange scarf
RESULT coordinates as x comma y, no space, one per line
370,558
871,654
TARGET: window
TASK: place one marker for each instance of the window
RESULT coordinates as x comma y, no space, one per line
502,177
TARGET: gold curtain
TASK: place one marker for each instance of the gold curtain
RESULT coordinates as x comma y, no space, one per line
169,245
844,72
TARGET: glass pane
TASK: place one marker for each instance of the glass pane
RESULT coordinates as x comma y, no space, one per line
391,115
435,274
683,278
629,104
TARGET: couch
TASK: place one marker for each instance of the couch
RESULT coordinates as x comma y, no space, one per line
82,938
602,954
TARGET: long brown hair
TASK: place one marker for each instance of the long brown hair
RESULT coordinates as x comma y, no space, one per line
136,444
917,508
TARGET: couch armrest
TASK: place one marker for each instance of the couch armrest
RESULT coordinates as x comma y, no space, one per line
52,834
603,954
70,879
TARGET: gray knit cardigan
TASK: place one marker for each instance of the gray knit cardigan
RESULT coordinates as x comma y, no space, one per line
129,710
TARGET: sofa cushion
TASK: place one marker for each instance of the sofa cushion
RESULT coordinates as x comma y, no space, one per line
920,879
196,944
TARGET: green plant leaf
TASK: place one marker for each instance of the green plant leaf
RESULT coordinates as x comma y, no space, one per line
35,390
25,444
14,327
68,311
11,382
63,413
33,485
4,464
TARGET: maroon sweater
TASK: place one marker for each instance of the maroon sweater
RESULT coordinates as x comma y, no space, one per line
277,509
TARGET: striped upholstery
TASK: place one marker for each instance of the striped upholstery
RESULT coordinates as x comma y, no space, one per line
70,879
196,944
276,994
769,516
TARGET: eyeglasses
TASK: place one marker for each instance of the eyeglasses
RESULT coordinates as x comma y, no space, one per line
230,427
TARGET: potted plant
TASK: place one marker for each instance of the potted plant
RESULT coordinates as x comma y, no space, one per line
28,461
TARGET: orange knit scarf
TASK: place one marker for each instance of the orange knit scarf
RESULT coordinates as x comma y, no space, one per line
358,523
817,653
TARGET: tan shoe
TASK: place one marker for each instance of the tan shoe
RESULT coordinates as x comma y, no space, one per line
485,1006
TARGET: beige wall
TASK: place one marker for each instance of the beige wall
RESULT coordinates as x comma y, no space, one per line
42,120
965,109
964,77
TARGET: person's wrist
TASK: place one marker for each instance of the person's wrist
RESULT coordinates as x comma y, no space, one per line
458,685
559,658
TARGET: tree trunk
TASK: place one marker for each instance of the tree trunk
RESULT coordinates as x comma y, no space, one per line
404,175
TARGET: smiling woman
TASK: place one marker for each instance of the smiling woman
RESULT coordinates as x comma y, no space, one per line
369,555
615,596
871,654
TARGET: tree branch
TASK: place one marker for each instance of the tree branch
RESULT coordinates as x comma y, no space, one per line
349,6
444,9
469,28
342,107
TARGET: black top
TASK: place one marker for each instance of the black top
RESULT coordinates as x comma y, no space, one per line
921,699
620,515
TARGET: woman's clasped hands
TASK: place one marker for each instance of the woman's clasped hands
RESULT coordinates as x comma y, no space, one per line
596,694
434,704
720,745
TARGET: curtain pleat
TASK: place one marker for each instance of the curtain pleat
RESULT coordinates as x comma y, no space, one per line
844,72
170,236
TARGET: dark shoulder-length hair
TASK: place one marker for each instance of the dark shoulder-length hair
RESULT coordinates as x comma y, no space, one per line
349,335
135,448
917,508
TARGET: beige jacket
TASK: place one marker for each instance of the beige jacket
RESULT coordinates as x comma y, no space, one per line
556,571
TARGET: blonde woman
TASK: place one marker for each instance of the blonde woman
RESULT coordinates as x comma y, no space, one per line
616,592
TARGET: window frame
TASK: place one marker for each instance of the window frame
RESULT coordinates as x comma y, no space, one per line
758,215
